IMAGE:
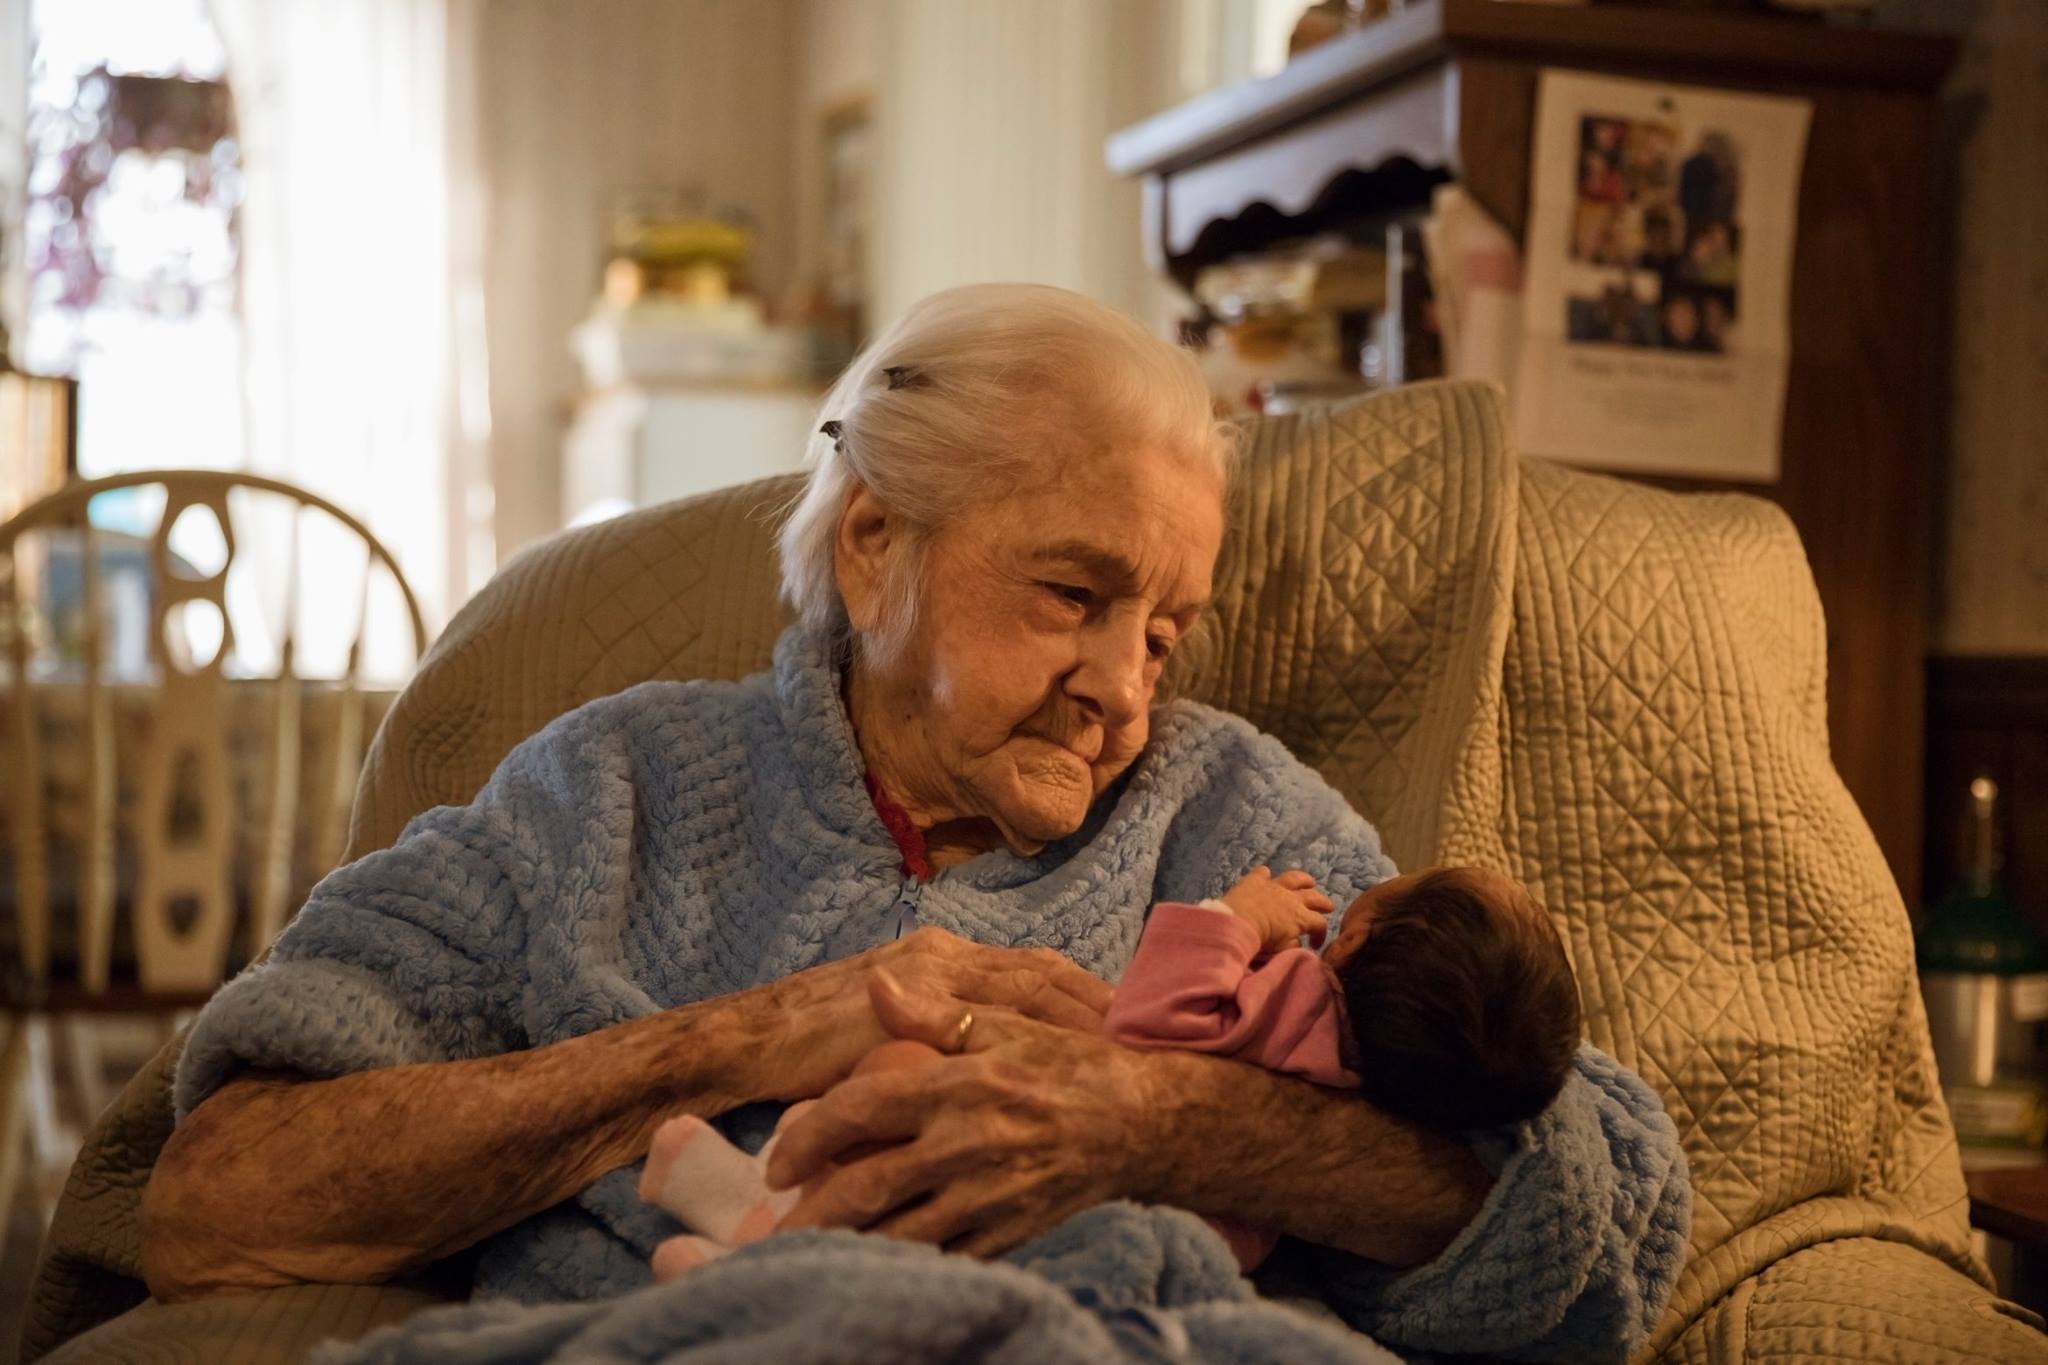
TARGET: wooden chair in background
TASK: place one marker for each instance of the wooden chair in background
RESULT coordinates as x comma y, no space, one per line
150,812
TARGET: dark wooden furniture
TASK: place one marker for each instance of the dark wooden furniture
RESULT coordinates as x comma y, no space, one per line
1359,131
2013,1205
1989,715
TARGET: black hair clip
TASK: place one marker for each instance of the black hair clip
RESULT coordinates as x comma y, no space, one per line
904,377
832,429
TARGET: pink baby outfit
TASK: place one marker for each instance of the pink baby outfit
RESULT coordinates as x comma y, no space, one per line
1198,983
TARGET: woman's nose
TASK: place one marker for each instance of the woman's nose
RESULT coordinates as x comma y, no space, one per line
1110,681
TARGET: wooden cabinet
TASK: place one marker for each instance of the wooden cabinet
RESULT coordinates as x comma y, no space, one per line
1361,129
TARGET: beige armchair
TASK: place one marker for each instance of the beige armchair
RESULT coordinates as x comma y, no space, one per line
1614,692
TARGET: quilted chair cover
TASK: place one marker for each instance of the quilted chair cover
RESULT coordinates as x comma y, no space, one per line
1615,692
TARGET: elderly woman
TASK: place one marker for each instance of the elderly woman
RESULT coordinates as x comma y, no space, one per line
943,815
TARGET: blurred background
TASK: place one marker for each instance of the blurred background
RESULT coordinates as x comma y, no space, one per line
422,282
475,245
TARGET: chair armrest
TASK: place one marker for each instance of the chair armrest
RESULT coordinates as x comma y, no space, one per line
1864,1299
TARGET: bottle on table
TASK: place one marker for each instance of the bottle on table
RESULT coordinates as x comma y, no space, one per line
1984,975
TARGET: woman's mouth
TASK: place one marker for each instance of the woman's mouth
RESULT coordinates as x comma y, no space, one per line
1086,751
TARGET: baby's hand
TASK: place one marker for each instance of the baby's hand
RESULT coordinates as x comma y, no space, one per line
1281,909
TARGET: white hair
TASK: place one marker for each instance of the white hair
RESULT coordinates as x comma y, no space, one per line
968,395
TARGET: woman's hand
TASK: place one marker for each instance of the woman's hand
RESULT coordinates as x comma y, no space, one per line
814,1025
985,1150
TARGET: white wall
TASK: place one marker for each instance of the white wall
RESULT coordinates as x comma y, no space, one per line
991,118
583,102
1994,587
838,59
838,49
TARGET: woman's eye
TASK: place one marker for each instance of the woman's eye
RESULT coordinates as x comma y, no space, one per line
1158,646
1067,592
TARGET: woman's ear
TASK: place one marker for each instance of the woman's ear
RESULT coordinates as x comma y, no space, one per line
860,557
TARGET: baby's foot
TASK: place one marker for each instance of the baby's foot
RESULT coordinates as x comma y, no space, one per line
671,1140
678,1256
710,1186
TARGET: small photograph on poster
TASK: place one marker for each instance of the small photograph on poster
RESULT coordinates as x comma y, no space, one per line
1662,225
1657,236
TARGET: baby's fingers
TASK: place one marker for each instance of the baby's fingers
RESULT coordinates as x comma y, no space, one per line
1317,927
1296,880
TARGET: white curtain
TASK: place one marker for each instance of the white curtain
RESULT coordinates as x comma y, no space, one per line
989,120
362,291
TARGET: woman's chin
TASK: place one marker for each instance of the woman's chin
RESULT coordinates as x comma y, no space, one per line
1029,826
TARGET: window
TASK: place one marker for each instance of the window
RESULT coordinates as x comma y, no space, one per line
134,180
268,280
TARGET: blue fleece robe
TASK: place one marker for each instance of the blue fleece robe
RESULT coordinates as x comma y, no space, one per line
680,841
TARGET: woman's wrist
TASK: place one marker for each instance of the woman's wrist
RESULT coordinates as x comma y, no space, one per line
792,1038
603,1094
720,1053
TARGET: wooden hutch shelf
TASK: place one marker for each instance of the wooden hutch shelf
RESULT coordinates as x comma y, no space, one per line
1358,132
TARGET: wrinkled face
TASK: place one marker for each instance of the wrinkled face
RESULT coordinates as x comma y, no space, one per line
1046,619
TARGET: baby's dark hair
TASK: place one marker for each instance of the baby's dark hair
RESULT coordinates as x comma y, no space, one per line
1464,1011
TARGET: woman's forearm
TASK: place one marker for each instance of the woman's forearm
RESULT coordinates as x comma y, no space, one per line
1322,1165
275,1180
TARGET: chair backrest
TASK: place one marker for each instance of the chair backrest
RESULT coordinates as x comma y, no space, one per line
1360,544
206,772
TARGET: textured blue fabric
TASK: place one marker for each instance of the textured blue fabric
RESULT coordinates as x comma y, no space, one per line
1117,1285
680,841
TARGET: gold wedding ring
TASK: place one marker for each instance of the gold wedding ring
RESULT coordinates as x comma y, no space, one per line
962,1029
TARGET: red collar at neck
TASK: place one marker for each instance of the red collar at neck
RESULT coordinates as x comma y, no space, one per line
909,838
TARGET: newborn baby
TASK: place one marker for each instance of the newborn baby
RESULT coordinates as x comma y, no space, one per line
1445,998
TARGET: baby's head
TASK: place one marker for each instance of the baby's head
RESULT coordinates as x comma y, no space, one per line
1463,1009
